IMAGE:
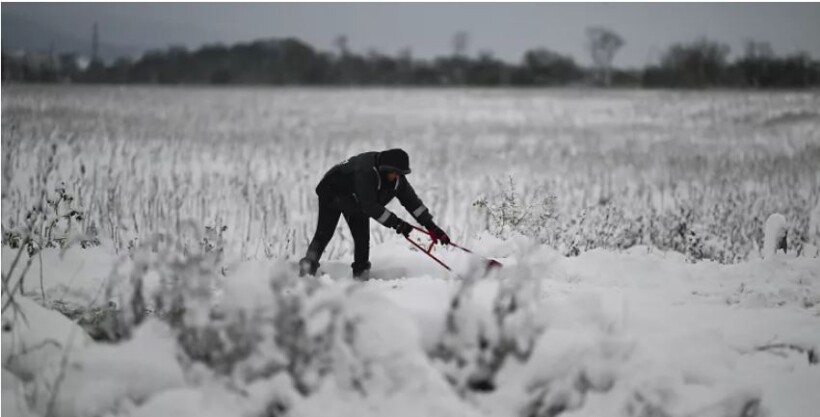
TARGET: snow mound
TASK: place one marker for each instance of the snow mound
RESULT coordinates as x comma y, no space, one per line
104,378
193,402
73,276
813,246
774,235
14,400
33,335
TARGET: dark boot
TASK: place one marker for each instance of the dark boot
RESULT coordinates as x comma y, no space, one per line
361,272
360,229
362,275
308,266
328,219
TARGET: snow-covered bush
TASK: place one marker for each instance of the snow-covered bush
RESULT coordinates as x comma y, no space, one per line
814,231
775,233
164,276
477,342
722,231
510,211
49,224
264,324
53,219
610,224
508,351
605,225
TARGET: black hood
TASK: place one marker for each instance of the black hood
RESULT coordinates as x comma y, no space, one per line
394,160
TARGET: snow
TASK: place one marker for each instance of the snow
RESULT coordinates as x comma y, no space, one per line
386,356
604,333
32,335
813,247
102,377
191,402
774,232
75,275
637,332
14,397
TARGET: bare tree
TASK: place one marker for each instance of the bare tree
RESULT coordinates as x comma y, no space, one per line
461,41
603,43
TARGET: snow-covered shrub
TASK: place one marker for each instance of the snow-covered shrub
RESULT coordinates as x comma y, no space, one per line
511,211
214,239
308,348
476,342
52,223
813,235
48,225
164,276
565,367
54,219
510,351
678,231
774,238
612,224
264,323
605,225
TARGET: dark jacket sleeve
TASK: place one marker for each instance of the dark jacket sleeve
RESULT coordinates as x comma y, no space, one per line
413,204
365,183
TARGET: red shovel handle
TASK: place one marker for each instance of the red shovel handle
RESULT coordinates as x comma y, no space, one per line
491,263
429,249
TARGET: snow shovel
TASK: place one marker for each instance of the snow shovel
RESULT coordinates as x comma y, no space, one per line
489,263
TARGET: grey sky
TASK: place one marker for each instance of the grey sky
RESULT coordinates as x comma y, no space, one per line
427,28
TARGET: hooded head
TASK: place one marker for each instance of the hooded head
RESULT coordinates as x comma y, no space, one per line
394,160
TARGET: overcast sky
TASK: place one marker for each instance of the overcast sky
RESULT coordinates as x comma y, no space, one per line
427,28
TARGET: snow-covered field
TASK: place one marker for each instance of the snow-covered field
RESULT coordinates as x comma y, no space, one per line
696,172
608,303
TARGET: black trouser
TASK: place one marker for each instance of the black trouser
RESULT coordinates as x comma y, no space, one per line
330,208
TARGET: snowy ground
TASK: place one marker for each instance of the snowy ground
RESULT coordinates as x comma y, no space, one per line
233,331
635,333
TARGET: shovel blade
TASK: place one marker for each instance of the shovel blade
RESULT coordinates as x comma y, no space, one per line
492,264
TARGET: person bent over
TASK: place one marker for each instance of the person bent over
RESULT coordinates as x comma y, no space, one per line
358,189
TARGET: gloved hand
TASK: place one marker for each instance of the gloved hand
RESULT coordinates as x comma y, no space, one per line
438,235
403,228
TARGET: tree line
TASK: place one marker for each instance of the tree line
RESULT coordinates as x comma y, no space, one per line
695,64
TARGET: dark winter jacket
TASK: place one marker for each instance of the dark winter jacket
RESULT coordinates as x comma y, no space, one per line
362,189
